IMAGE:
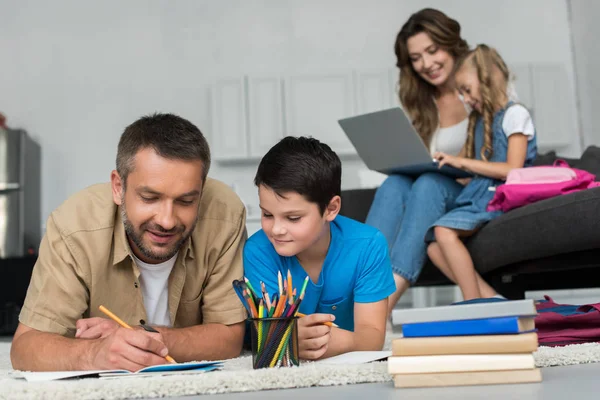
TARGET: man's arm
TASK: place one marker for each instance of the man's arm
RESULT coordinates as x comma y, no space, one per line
33,350
204,342
221,334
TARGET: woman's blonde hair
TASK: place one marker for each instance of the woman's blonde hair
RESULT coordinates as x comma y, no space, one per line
417,95
493,76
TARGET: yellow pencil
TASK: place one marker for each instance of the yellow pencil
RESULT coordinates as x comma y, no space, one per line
126,326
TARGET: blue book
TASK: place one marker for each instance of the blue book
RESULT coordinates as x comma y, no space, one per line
483,326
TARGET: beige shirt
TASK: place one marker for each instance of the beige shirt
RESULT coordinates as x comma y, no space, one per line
85,261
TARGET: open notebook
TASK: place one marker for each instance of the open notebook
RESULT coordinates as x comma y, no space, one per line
155,370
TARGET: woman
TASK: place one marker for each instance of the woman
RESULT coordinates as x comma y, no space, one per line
426,48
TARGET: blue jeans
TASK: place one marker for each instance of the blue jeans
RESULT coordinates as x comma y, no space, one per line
403,209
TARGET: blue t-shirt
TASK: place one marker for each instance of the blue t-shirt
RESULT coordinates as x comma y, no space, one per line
357,268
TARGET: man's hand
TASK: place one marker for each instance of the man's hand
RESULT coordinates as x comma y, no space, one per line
129,349
95,328
313,335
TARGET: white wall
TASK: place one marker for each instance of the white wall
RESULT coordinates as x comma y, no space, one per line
586,31
75,73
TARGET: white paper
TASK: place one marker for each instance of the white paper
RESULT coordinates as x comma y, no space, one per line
357,357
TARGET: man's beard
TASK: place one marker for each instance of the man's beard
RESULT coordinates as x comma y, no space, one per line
136,236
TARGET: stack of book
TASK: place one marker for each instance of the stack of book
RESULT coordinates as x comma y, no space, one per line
481,342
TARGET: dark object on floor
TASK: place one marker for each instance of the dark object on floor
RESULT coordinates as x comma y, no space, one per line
551,244
15,274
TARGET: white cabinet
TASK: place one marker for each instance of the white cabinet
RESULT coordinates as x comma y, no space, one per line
314,104
266,114
247,117
375,90
229,122
553,106
252,113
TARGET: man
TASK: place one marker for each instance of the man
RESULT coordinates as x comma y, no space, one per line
159,245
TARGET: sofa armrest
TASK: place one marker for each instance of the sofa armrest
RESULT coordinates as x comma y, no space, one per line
356,203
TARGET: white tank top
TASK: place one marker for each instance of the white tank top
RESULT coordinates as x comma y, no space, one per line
450,139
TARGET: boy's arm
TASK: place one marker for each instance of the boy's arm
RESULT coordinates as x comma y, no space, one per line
374,284
369,330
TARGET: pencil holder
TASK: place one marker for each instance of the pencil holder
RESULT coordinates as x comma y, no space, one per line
274,342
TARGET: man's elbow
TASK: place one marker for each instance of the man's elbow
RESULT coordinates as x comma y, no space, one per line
17,359
236,341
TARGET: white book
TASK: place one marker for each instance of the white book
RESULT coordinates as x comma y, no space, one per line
492,309
459,363
356,357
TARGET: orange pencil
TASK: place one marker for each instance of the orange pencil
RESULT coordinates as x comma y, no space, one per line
124,325
290,288
328,323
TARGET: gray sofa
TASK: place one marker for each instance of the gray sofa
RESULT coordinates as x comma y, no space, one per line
551,244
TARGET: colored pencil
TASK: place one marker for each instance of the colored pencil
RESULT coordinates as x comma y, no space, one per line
328,323
279,283
126,326
254,292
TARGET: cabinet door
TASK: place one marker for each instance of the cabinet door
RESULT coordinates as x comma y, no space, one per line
553,109
314,104
374,90
523,85
266,114
229,136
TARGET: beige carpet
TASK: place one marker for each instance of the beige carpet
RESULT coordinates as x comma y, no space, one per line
237,376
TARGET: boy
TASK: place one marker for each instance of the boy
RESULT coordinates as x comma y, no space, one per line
350,275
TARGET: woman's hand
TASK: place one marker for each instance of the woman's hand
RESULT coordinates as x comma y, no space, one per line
464,181
447,159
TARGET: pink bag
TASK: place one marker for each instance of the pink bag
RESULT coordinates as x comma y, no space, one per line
528,185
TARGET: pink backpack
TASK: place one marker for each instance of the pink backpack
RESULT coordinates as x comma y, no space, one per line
528,185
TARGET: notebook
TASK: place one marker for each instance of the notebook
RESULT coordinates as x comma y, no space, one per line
387,142
482,308
166,369
482,326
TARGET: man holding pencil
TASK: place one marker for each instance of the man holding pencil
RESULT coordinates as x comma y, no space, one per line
156,249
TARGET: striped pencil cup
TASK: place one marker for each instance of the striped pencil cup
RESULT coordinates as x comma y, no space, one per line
274,342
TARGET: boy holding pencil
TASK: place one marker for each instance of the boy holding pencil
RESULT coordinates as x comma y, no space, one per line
346,262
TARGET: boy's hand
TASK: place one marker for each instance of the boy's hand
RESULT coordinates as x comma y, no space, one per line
313,335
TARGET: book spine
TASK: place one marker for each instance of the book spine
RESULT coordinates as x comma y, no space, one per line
490,326
467,378
459,363
466,311
489,344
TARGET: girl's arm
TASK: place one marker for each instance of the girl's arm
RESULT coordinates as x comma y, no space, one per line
515,158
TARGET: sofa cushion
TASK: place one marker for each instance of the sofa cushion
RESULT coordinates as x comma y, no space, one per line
549,227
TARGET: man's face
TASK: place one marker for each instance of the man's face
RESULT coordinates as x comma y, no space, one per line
159,204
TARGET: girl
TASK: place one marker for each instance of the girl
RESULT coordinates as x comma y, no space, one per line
501,136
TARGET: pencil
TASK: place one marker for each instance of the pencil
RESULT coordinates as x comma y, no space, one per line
279,283
124,325
328,323
290,287
254,292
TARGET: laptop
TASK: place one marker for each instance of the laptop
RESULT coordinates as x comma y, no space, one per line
387,142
